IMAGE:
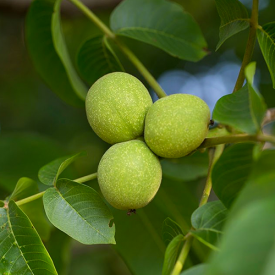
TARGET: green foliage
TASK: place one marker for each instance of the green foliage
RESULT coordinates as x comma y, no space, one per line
231,171
80,212
21,249
257,104
187,168
170,229
26,187
96,58
50,172
244,109
208,221
266,39
164,25
240,225
260,184
143,230
251,215
245,249
49,53
234,18
171,254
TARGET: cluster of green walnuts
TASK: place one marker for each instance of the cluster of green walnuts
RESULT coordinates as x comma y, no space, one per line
121,112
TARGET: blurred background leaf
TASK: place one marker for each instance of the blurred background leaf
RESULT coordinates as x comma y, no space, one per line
187,168
196,270
231,172
49,54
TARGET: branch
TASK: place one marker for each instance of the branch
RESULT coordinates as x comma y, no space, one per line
249,46
214,155
39,195
126,51
239,138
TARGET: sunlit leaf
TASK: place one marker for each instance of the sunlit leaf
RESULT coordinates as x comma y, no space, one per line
49,53
234,18
208,221
50,172
96,58
257,104
21,249
80,212
231,172
266,39
164,24
244,109
171,254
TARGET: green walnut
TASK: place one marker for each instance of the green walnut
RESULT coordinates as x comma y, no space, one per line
116,106
176,125
129,175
